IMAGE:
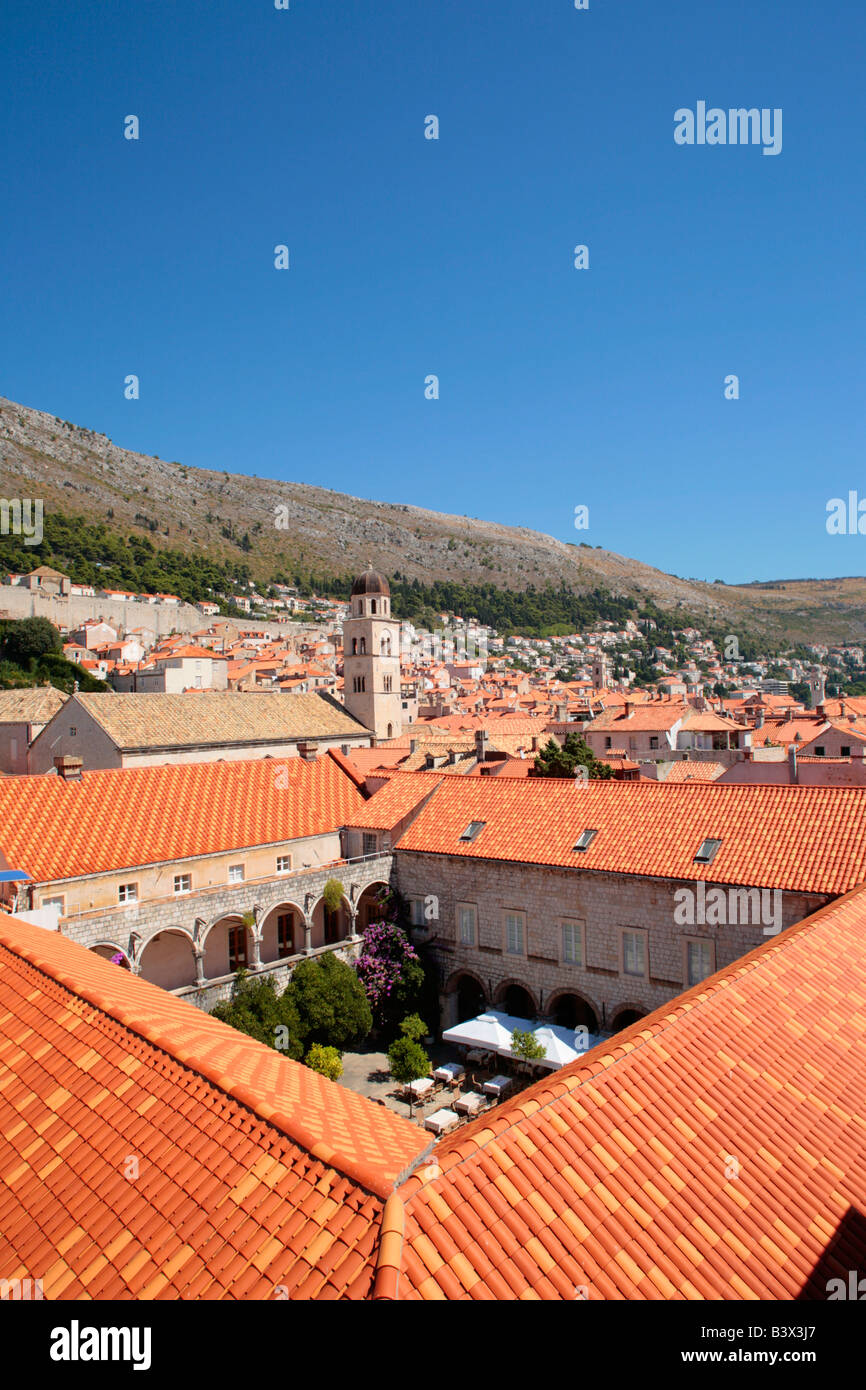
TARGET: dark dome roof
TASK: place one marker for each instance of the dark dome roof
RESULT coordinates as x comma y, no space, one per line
371,583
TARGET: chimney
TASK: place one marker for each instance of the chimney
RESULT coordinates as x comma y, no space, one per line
481,744
819,710
629,706
562,713
759,721
68,768
842,708
307,751
793,773
413,745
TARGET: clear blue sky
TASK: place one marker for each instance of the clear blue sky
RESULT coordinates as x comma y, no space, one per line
408,257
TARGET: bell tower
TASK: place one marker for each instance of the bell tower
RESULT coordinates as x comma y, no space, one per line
371,658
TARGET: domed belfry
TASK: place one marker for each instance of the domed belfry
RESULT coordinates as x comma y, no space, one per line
371,658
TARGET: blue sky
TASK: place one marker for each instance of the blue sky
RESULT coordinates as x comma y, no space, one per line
409,257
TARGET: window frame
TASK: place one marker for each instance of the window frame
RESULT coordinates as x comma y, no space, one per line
521,915
124,896
642,935
284,863
705,941
459,909
234,877
182,878
579,926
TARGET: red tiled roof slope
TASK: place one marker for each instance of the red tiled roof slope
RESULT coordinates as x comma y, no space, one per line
369,1144
122,817
808,839
714,1150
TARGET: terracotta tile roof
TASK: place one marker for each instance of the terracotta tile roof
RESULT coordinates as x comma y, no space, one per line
32,706
117,818
254,1172
808,839
694,770
615,1175
400,795
143,721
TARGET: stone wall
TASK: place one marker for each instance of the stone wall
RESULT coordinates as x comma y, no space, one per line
603,904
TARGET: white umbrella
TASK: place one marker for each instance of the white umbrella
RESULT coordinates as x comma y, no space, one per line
491,1031
563,1045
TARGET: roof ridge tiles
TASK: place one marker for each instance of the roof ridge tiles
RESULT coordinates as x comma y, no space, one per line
466,1144
280,1092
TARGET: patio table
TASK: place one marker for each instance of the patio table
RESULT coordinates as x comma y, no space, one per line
497,1085
421,1088
441,1121
470,1104
452,1073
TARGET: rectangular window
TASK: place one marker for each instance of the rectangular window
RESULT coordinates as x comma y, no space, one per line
416,913
473,830
699,961
634,953
237,947
286,933
59,903
845,750
585,840
654,743
183,883
819,752
466,924
127,893
572,943
284,863
514,933
708,851
73,731
370,843
236,873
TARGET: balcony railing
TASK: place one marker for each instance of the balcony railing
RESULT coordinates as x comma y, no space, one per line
197,893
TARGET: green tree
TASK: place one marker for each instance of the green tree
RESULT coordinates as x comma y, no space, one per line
29,639
556,761
330,1001
255,1008
325,1060
332,894
525,1046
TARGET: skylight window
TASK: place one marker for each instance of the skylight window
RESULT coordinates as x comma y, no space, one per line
473,830
708,851
586,840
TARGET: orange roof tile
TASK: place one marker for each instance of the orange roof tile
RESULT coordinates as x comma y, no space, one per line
808,839
117,818
254,1172
685,1158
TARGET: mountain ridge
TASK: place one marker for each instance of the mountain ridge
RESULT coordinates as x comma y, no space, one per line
332,533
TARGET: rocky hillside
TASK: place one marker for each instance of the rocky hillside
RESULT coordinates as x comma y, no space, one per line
76,470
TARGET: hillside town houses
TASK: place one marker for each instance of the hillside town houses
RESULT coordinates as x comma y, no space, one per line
170,835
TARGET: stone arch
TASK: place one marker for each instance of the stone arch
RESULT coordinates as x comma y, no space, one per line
385,644
508,993
471,995
223,950
327,928
570,1009
365,905
624,1015
167,958
276,935
107,949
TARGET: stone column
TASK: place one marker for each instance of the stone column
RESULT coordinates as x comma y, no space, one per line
199,966
308,936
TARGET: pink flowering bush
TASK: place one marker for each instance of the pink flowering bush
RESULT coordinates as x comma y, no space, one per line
390,971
